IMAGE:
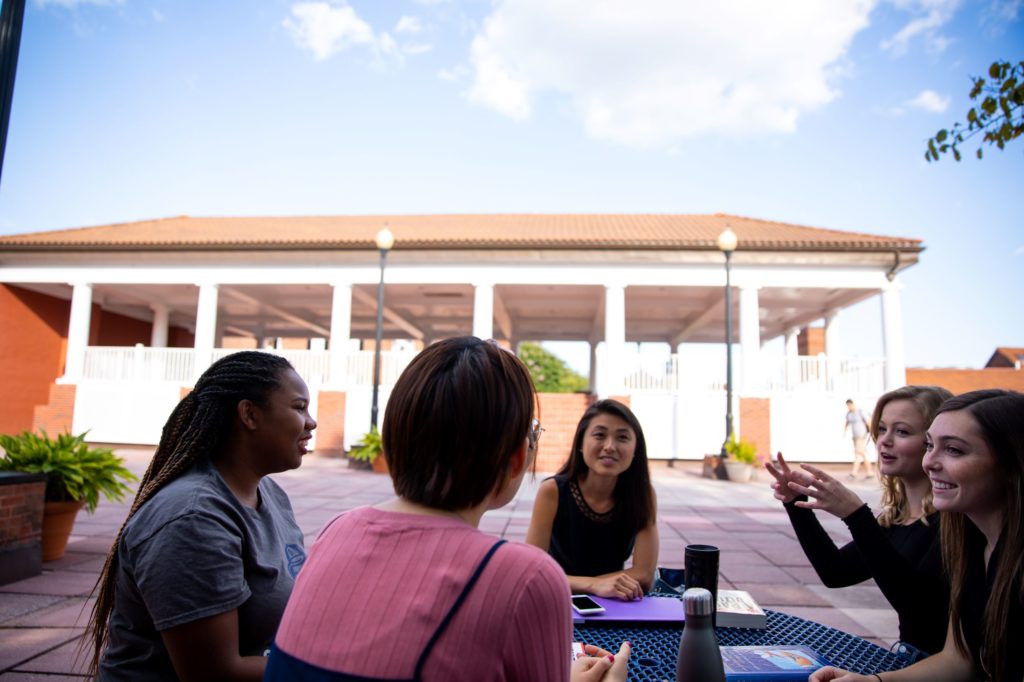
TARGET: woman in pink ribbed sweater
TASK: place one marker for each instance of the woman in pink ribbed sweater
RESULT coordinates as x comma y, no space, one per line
410,589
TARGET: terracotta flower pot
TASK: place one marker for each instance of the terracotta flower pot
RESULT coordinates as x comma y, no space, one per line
380,465
58,520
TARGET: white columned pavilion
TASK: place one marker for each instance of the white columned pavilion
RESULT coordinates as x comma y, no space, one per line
892,336
614,339
206,325
161,323
78,331
341,332
752,383
483,310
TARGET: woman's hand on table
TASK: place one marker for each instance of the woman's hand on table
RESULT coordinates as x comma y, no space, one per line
617,586
782,475
601,665
830,674
825,492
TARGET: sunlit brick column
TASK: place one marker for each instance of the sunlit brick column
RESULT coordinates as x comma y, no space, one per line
78,332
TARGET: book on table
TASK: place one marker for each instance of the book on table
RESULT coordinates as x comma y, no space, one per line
737,609
772,663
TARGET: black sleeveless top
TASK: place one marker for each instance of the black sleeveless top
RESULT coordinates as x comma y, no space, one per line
284,667
584,542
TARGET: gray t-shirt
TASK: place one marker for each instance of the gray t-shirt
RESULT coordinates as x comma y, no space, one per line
858,425
194,551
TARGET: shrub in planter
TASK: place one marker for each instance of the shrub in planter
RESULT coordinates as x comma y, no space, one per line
369,450
76,475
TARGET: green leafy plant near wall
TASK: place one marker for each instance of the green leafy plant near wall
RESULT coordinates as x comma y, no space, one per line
369,448
74,470
741,450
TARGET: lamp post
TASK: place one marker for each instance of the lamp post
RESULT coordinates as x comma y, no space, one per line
727,244
385,240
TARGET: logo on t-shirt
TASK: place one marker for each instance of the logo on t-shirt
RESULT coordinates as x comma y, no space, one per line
296,557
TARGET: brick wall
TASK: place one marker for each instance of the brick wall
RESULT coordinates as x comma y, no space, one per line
33,329
330,417
559,414
963,380
55,416
21,522
811,341
112,329
179,337
756,423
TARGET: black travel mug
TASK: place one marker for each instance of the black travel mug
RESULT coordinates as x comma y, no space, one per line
701,570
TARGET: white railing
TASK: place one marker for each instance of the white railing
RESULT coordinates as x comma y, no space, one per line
807,374
178,365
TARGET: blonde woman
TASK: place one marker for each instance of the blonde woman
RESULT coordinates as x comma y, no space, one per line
899,549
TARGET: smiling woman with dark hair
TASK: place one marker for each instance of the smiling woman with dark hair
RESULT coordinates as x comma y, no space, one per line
410,589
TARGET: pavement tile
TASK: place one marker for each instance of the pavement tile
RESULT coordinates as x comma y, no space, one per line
748,575
785,553
41,677
67,658
784,596
63,583
73,611
740,557
13,605
883,623
70,559
828,616
854,596
805,575
97,544
20,644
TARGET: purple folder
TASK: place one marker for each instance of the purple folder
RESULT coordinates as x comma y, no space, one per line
648,609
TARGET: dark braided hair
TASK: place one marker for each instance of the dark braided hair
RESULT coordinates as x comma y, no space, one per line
196,431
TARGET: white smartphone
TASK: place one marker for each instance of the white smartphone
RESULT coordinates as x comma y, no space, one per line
585,606
577,650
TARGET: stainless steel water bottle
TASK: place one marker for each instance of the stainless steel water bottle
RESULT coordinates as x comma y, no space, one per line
699,658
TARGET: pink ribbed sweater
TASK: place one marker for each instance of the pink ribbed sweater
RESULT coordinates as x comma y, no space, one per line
376,584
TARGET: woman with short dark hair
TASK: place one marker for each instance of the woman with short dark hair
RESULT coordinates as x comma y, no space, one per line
410,589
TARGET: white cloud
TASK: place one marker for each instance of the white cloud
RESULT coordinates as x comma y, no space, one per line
417,48
930,101
930,16
674,69
325,28
451,75
408,24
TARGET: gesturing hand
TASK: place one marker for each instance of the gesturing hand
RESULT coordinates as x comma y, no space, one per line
782,475
826,493
617,586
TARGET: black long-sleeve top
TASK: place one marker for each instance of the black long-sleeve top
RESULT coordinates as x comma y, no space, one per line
905,562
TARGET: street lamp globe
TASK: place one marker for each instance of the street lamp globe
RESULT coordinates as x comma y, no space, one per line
385,239
727,240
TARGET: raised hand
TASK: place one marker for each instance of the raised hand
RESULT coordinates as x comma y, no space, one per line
824,491
782,475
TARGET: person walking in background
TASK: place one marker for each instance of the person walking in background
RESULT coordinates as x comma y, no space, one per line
857,425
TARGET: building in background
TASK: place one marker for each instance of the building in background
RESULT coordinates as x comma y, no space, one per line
104,328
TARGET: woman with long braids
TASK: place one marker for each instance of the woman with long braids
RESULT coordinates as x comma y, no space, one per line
975,461
197,579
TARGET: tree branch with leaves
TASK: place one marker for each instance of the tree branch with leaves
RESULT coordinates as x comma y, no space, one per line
999,117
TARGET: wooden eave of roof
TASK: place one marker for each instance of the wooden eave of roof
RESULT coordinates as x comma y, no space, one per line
455,233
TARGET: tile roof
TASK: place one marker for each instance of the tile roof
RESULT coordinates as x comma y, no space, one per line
496,231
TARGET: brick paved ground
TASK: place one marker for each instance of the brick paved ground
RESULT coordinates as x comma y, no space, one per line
42,618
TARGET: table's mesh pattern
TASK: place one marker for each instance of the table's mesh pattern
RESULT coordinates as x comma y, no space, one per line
655,646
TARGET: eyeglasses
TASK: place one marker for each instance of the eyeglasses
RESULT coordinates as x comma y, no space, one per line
534,435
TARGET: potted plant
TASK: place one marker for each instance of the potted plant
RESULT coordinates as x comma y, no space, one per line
742,458
76,474
370,450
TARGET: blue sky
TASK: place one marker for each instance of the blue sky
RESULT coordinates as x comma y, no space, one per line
794,110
